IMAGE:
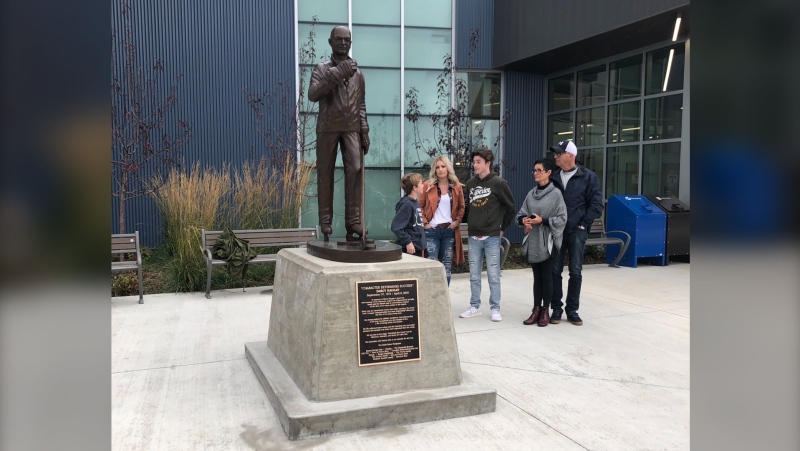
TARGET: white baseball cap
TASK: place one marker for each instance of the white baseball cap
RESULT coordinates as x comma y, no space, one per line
565,146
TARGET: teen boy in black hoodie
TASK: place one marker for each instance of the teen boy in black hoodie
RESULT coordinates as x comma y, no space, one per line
491,210
407,223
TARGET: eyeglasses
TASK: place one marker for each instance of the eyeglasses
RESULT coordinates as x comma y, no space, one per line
535,171
558,154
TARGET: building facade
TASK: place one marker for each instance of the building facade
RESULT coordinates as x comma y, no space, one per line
606,74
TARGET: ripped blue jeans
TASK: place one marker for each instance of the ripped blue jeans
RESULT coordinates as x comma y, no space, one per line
491,248
441,245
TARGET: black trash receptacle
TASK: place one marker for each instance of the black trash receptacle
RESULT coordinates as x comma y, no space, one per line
677,225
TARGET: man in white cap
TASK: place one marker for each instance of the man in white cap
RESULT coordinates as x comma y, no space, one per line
581,190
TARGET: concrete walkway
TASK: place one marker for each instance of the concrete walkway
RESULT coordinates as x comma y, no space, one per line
180,380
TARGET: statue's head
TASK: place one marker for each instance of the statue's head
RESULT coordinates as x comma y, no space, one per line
340,40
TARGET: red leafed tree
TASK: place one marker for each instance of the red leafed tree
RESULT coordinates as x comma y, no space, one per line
144,141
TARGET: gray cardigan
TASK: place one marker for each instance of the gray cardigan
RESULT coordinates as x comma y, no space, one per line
549,204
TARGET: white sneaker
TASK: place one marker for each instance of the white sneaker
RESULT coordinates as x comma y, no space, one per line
472,311
496,315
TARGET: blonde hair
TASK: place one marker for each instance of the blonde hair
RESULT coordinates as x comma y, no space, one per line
409,181
451,174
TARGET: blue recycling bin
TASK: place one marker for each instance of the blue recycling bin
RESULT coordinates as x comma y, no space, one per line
647,225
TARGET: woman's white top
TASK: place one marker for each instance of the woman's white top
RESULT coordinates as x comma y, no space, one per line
443,212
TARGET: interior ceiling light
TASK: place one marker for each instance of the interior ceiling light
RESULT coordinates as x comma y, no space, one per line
677,27
669,66
672,51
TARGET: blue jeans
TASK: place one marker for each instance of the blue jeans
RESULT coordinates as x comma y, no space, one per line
441,245
477,248
574,243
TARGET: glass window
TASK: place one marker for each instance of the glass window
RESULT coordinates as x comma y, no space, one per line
561,93
559,127
428,98
484,94
591,126
305,77
662,117
625,79
485,132
622,172
334,11
592,159
384,136
623,122
426,48
380,199
611,127
661,165
385,12
664,70
592,86
382,90
307,129
426,136
428,13
321,47
376,46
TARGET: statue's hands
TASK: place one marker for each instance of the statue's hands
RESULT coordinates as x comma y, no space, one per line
365,143
346,68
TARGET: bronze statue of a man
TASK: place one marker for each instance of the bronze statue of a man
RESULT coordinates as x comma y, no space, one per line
338,86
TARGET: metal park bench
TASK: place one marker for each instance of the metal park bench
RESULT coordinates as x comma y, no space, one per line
128,243
599,236
258,239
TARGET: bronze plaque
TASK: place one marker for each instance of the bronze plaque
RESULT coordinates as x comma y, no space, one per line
388,321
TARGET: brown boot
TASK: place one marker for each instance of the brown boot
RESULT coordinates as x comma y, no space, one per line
544,319
535,314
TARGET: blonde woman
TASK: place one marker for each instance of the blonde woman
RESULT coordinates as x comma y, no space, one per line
442,204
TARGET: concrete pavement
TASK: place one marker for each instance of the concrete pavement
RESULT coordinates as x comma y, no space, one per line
180,379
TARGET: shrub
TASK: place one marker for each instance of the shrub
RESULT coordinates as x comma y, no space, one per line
188,202
269,195
124,284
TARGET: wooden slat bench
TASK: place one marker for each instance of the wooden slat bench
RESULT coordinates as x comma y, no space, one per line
599,236
505,245
257,239
128,243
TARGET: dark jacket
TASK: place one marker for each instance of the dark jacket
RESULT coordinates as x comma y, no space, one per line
491,205
583,197
235,251
342,106
407,224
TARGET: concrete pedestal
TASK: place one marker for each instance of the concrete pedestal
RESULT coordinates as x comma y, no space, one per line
309,365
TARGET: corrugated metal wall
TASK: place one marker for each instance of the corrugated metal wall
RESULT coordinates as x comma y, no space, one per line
474,14
524,135
220,48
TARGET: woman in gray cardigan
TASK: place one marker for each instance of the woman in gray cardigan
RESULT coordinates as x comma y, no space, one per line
544,216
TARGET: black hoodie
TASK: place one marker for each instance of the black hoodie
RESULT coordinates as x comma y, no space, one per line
491,205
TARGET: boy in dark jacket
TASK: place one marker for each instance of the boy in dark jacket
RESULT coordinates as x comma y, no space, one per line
492,209
407,223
